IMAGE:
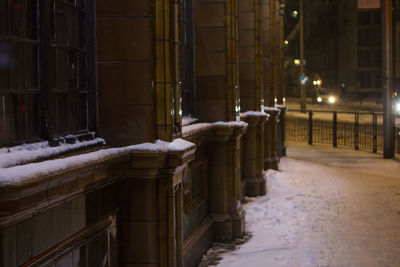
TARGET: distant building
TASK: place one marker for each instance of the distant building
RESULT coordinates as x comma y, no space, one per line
343,45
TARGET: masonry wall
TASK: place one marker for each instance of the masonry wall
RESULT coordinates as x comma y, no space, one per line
126,71
217,84
250,55
69,219
163,205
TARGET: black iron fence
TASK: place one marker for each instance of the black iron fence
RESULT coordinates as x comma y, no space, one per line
361,130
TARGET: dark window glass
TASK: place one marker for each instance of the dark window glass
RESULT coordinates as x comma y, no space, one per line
4,15
369,49
370,79
186,56
378,79
19,89
69,57
63,65
368,58
4,65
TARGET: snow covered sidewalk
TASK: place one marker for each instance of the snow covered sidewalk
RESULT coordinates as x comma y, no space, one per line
326,207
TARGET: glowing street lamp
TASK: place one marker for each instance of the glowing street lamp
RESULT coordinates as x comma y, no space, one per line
317,82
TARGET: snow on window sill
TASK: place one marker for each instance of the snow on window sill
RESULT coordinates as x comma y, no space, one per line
29,153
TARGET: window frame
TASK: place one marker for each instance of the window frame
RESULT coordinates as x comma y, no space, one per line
43,28
187,55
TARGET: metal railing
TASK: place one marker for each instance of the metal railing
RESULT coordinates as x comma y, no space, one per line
361,130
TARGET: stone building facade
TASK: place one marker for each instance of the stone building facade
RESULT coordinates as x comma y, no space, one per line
131,131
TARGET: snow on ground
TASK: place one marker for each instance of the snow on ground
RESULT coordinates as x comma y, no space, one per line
325,207
342,104
365,107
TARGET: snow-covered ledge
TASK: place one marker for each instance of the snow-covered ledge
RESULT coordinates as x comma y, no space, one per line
37,185
254,116
281,107
230,128
196,129
271,109
200,133
28,153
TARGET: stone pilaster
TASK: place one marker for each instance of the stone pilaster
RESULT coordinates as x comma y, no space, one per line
152,213
253,154
270,157
225,183
280,146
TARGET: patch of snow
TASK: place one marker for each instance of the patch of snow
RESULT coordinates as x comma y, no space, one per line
328,116
32,171
190,129
231,123
186,120
271,109
32,152
179,144
254,113
279,106
325,207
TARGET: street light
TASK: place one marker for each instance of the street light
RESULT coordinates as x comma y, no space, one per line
398,108
302,61
317,82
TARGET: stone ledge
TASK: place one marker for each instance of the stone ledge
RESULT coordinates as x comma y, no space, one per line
201,133
28,188
254,116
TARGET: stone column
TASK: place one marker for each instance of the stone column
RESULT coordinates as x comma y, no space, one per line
225,184
281,148
280,96
269,48
152,206
253,154
270,157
